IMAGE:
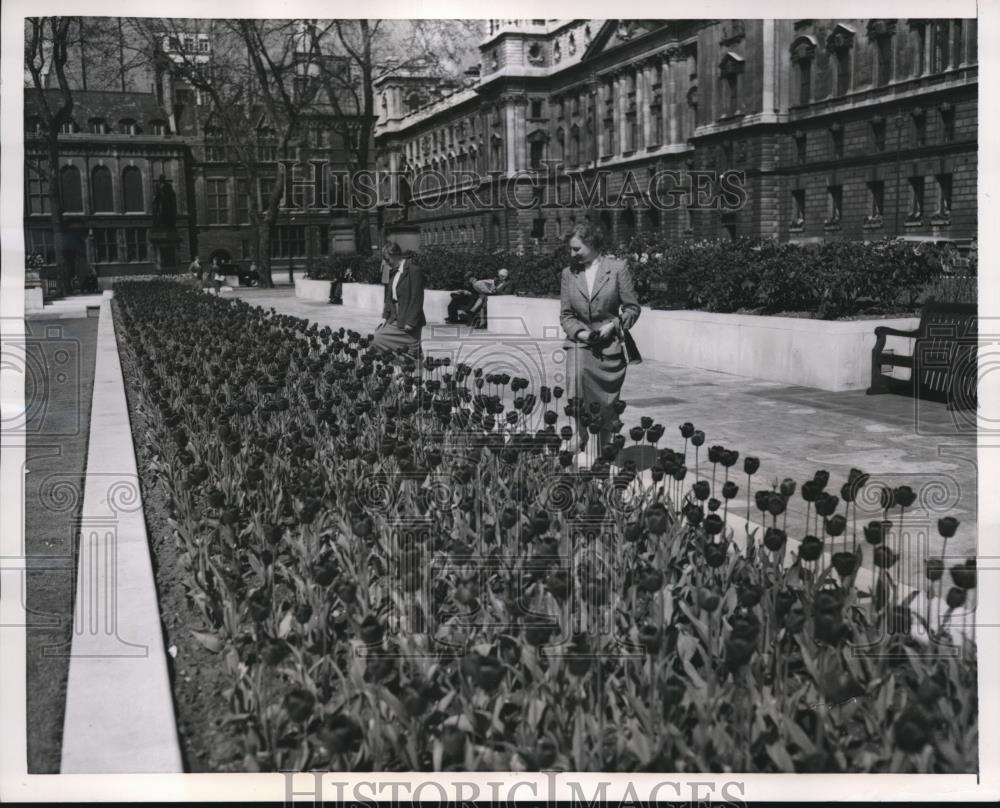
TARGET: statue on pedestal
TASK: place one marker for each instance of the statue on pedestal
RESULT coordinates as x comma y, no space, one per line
164,205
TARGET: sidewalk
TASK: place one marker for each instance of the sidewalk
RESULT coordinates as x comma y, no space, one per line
795,431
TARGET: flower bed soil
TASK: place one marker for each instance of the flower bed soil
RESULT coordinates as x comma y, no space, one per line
388,568
197,681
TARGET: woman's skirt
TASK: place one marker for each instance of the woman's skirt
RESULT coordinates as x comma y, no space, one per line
392,339
596,379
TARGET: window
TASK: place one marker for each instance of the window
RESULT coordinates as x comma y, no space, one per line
246,249
656,121
158,127
561,109
943,212
34,125
217,194
915,212
560,145
536,109
940,50
609,136
843,58
798,208
43,244
800,147
920,126
38,194
732,93
805,81
266,187
68,128
215,149
834,198
242,201
878,133
883,45
538,227
837,140
127,126
947,122
574,146
98,126
324,240
136,246
956,42
537,153
72,191
106,245
267,145
132,190
876,202
289,241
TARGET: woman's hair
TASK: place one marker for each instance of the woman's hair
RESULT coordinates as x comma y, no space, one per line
590,234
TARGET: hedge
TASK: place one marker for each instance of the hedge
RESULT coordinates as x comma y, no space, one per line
829,280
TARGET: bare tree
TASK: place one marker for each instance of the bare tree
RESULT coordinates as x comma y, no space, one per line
46,52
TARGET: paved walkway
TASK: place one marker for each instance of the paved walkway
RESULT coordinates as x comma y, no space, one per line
793,430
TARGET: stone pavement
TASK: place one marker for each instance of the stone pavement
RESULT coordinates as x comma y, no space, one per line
793,430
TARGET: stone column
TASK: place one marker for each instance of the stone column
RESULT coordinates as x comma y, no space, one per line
510,128
621,107
670,112
602,100
642,94
521,131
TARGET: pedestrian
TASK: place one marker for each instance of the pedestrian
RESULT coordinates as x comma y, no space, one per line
337,285
195,268
461,301
598,304
403,314
217,276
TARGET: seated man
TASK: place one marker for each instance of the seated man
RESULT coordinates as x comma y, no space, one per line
461,300
337,286
486,288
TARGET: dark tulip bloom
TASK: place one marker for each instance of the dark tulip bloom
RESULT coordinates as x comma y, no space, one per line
347,591
545,394
325,571
558,583
827,504
912,730
371,630
787,487
658,472
557,393
489,673
565,459
702,489
340,733
884,557
687,430
774,538
645,422
216,498
964,575
900,620
784,600
619,406
713,504
822,478
715,453
651,639
955,598
811,548
904,496
713,524
751,465
708,600
776,504
694,514
697,438
836,525
715,554
745,625
934,569
739,652
874,533
844,563
651,580
729,458
275,651
679,473
811,492
947,526
750,596
539,633
762,498
887,497
299,704
730,490
637,433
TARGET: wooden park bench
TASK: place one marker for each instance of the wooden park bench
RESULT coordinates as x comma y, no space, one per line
943,363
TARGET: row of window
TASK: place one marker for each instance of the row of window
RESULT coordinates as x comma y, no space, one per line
109,245
99,126
916,210
102,194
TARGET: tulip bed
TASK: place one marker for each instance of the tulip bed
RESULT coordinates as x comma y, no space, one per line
398,568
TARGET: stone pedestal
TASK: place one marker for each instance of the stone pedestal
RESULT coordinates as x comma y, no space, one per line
165,243
342,236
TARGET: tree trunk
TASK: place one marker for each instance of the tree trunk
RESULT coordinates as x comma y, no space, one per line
264,255
63,271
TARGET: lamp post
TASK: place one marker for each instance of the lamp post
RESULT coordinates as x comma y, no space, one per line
898,120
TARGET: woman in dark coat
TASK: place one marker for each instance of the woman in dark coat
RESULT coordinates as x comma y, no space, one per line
403,314
598,303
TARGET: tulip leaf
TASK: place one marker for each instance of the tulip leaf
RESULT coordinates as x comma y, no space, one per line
699,626
285,625
209,641
780,756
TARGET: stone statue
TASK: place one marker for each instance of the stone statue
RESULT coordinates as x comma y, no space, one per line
164,205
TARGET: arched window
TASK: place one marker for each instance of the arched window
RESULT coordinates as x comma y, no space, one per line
132,190
101,190
98,126
68,128
158,128
127,126
72,193
33,125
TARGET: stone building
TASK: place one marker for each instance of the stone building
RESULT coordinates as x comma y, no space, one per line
837,129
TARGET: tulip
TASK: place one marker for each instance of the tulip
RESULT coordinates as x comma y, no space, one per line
762,498
739,651
884,557
713,524
729,457
299,704
947,526
776,505
751,465
811,548
371,630
811,491
708,601
845,563
694,514
934,568
955,598
750,596
730,489
651,580
912,730
836,525
340,733
687,430
821,478
875,531
697,438
651,639
636,433
656,519
787,487
964,575
904,496
714,504
702,489
826,504
774,539
715,554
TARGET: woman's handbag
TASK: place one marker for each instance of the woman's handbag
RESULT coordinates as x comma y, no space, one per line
631,349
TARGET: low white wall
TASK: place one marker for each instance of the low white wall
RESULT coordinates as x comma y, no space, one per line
34,300
369,296
312,290
827,355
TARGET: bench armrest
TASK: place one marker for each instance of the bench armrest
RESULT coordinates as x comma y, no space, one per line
884,330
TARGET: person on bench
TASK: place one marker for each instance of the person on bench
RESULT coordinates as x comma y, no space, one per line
488,288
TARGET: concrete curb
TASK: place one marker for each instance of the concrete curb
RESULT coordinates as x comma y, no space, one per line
119,708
